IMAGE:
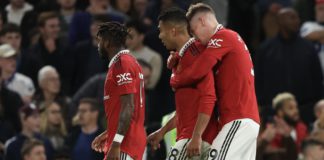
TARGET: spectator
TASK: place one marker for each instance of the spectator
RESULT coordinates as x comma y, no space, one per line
15,11
11,35
87,60
50,50
140,7
33,150
147,71
80,139
141,51
67,11
286,108
319,114
81,21
50,90
313,150
288,63
93,88
52,125
14,81
125,7
30,120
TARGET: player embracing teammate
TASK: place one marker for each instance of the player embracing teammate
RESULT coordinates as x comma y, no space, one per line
226,55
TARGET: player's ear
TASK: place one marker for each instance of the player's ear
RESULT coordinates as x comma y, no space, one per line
202,21
173,31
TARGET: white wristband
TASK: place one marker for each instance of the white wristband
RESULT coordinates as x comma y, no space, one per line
118,138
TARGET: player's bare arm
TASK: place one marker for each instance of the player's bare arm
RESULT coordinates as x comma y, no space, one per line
125,116
155,137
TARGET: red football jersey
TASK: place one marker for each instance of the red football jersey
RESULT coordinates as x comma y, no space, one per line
197,98
226,54
125,77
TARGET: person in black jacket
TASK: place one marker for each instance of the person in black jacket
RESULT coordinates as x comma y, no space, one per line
288,63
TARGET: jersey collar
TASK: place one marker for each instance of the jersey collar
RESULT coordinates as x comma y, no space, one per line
218,27
185,46
115,58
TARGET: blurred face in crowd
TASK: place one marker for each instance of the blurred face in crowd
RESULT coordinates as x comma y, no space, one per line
51,28
319,10
319,109
288,20
140,6
167,35
32,123
67,4
54,114
135,40
37,153
123,5
102,3
8,65
86,115
290,112
17,3
12,38
51,82
315,152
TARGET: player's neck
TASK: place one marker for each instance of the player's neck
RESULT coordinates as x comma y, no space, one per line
114,51
181,41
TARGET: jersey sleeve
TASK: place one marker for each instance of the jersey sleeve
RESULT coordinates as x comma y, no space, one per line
207,99
309,27
124,76
216,49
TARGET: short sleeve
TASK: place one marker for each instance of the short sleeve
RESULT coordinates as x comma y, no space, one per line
124,76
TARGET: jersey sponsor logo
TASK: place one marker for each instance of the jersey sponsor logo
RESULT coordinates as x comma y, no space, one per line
124,78
214,43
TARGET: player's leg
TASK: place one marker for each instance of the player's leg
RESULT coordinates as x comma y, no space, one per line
236,141
205,148
178,151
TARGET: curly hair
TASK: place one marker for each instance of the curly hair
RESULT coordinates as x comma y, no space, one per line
113,32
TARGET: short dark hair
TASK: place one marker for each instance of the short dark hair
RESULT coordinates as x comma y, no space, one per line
137,24
10,28
114,32
29,145
310,142
43,17
198,8
94,104
173,15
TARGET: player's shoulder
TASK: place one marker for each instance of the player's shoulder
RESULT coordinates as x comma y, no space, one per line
225,33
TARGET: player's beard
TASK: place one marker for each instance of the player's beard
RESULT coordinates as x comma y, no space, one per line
103,54
290,121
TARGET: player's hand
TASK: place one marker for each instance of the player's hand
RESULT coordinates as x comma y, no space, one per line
193,147
282,127
172,60
155,138
114,152
98,144
269,133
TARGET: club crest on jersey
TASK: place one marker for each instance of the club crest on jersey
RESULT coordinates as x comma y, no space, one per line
214,43
124,78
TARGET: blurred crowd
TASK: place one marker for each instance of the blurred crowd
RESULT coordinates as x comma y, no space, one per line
52,78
